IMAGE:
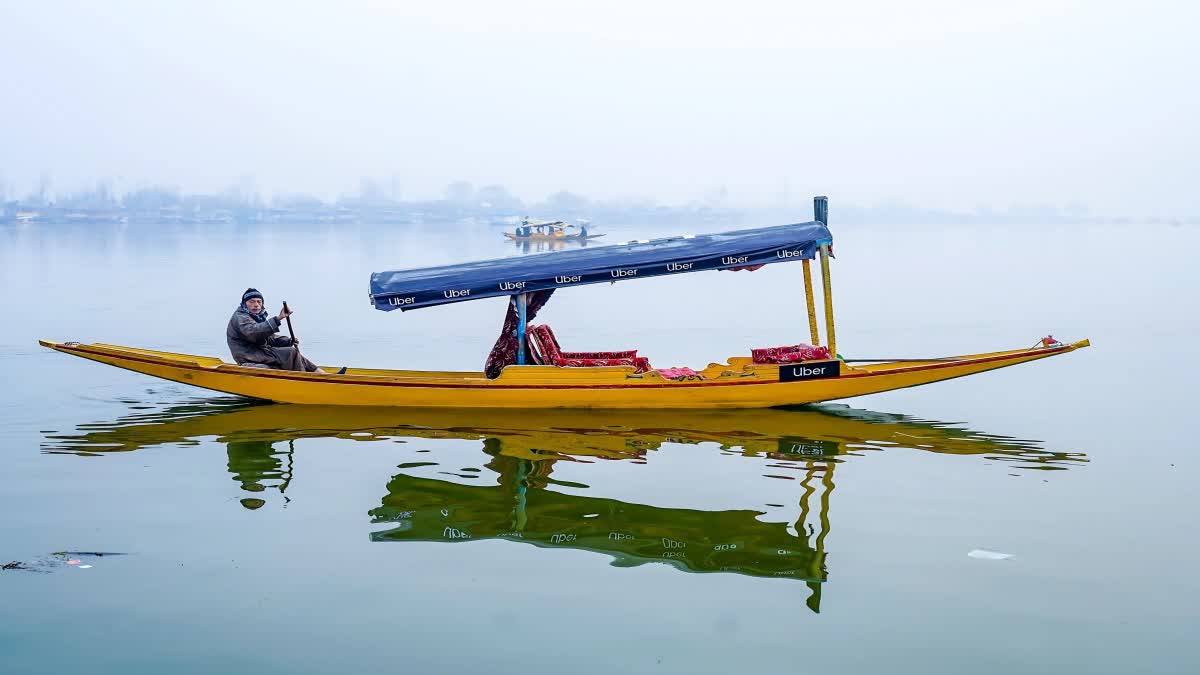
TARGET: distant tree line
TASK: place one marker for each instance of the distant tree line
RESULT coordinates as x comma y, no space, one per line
463,202
374,202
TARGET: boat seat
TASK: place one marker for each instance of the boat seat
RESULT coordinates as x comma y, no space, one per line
790,354
549,334
544,350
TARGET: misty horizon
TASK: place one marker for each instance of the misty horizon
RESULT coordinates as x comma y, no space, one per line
462,202
244,191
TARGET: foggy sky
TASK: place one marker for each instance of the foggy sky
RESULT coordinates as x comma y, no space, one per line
941,104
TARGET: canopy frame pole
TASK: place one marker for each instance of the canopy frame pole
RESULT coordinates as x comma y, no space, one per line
811,304
830,335
821,213
521,305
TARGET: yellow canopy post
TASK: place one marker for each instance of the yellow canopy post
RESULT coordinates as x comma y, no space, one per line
830,335
821,213
808,299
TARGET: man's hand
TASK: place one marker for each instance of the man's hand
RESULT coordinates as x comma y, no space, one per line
295,341
285,313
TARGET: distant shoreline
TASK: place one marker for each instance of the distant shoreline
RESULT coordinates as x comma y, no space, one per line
48,216
495,206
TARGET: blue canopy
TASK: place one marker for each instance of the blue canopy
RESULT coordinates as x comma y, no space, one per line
412,289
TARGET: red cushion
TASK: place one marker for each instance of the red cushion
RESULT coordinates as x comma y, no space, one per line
790,354
534,350
545,339
632,353
677,373
544,350
819,354
640,364
547,334
533,347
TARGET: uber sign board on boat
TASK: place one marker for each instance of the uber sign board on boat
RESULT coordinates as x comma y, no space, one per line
794,372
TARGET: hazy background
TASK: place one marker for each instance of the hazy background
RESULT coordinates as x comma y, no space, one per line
942,104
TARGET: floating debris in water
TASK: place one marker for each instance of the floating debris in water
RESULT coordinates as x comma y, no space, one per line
984,554
56,561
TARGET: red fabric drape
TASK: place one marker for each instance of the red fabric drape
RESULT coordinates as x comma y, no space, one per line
504,353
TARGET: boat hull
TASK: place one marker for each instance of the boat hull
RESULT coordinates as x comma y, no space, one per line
739,383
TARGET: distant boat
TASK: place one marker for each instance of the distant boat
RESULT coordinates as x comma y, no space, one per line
533,230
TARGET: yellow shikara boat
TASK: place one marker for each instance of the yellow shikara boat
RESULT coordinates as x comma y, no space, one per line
530,372
555,231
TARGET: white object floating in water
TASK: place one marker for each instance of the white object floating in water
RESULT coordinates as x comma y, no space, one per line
85,567
984,554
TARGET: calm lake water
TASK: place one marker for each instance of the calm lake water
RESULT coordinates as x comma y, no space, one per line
861,537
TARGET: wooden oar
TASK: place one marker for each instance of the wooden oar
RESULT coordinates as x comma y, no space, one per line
289,322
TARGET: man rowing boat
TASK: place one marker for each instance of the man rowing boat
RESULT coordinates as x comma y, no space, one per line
253,342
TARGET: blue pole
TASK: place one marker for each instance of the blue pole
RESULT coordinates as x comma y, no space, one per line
521,329
821,210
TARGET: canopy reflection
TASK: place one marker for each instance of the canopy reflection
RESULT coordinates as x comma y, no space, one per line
523,502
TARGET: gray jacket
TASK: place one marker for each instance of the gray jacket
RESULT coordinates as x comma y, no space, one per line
252,341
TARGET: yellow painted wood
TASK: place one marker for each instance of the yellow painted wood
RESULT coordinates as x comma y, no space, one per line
830,335
811,303
738,383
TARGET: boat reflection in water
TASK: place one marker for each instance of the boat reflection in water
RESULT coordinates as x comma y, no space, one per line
520,503
543,245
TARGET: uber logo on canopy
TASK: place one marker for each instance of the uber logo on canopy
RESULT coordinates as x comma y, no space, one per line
791,372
